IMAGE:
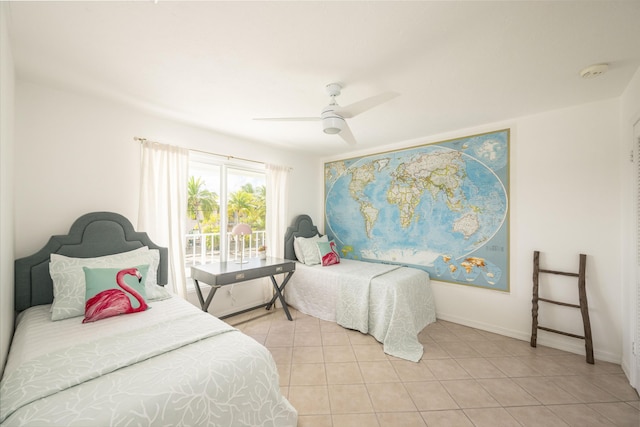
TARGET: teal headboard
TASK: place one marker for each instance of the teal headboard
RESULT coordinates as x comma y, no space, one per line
302,227
92,235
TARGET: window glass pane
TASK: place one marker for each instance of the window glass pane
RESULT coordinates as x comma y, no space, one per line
246,203
221,194
203,214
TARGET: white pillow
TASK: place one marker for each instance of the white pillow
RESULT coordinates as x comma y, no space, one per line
309,248
69,282
297,249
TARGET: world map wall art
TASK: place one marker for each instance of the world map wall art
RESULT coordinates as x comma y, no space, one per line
441,207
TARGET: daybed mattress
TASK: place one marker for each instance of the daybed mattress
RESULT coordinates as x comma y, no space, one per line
170,365
391,303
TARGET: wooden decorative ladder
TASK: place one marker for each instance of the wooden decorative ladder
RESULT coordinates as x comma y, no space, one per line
582,295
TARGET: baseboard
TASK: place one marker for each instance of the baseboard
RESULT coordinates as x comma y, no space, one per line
546,339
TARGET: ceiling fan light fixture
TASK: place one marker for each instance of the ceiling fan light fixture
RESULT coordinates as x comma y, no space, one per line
332,125
334,118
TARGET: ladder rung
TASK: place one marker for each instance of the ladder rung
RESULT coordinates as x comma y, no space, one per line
582,305
561,332
566,304
559,272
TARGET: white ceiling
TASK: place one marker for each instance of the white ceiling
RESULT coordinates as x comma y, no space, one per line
220,64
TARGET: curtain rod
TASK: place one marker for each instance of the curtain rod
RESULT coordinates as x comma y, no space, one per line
141,140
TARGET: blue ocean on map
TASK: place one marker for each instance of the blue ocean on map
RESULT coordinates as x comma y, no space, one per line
440,207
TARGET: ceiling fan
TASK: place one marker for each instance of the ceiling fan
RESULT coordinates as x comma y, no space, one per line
333,116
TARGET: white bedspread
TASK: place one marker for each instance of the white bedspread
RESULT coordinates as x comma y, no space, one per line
170,365
393,304
354,284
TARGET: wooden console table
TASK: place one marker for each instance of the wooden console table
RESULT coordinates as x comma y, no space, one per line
220,274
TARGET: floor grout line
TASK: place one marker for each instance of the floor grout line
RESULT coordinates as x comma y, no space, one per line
601,389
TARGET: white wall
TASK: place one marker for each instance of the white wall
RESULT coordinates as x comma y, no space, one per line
566,197
76,154
565,200
7,85
629,115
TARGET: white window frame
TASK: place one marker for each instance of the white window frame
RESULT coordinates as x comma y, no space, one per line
225,163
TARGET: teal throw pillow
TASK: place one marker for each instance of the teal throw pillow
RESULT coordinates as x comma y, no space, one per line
114,291
328,253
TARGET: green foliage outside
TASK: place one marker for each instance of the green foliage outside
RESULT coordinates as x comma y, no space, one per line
248,205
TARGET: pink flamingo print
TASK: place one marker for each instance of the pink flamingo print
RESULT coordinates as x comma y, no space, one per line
331,257
113,302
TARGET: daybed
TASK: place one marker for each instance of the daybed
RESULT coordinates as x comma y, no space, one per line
390,302
169,365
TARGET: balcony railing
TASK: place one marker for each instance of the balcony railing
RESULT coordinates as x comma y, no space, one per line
204,248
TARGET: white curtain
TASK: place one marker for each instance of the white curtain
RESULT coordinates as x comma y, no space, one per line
163,204
277,203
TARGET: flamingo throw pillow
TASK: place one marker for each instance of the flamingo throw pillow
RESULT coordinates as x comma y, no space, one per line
328,253
69,284
114,291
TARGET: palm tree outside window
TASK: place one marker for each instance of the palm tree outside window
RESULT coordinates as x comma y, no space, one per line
222,193
202,204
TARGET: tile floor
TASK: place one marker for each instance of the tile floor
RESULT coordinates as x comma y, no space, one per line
467,377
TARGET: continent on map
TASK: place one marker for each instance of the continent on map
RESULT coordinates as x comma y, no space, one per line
334,171
346,250
471,262
467,225
439,174
407,198
361,177
370,215
381,164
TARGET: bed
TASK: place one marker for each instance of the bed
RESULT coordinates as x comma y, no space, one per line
170,364
390,302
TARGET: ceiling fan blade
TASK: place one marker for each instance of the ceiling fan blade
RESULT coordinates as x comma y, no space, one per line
346,134
289,119
356,108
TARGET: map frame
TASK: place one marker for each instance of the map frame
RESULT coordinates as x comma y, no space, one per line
487,266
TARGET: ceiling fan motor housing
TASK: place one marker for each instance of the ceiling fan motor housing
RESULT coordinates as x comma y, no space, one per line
332,123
